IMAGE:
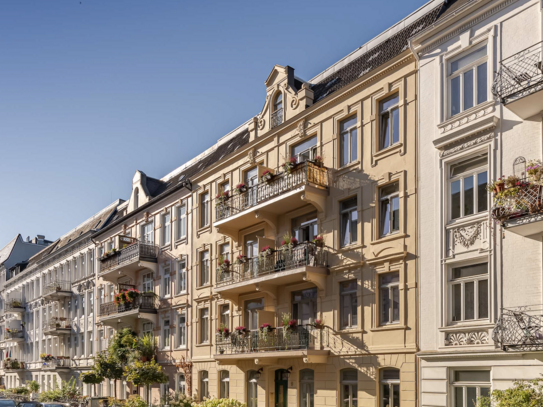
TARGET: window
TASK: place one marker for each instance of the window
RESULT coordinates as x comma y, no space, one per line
349,222
469,292
304,306
204,209
181,383
468,181
224,391
349,304
307,388
349,388
181,222
166,282
278,103
166,334
348,141
468,81
277,113
390,388
164,389
469,385
389,122
204,384
389,291
225,315
252,388
224,251
305,151
182,340
182,276
204,325
389,209
251,313
148,233
136,198
148,282
166,228
304,228
204,268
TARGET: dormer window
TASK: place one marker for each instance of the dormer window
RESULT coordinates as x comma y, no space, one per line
136,198
277,112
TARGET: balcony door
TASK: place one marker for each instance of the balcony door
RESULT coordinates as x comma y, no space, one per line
304,228
281,388
251,313
304,306
251,180
251,251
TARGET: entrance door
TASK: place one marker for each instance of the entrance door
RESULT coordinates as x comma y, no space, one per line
281,388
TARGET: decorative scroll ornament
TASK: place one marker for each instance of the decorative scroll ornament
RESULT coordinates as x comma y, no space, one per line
295,102
466,338
468,235
261,123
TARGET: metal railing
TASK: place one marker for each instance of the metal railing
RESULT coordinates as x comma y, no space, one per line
56,363
517,201
143,302
56,286
276,118
56,323
124,287
304,254
302,174
134,252
519,74
520,329
277,339
14,335
14,304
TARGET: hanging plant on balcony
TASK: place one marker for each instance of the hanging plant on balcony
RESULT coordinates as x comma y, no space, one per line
223,331
319,241
224,264
318,161
265,328
16,304
266,176
318,324
511,181
241,259
241,330
241,188
290,165
12,330
222,197
266,251
535,171
288,242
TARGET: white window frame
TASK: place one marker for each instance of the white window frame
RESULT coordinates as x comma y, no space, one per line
204,209
390,287
166,334
204,325
390,383
350,293
182,276
145,283
353,393
224,384
167,284
390,198
224,315
182,330
182,221
348,211
148,237
166,228
462,281
348,131
181,383
465,385
390,112
147,328
312,151
204,276
461,177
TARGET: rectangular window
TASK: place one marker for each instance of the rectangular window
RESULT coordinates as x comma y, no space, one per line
349,304
166,228
166,334
204,209
148,282
469,292
166,283
468,82
225,315
147,328
204,268
348,141
182,276
305,151
182,339
467,187
389,293
468,386
389,121
148,233
204,325
389,209
224,251
181,222
349,222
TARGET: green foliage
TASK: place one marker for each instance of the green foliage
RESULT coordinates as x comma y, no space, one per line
23,391
91,377
107,366
33,386
67,391
524,393
113,402
122,344
178,400
213,402
135,401
145,373
146,346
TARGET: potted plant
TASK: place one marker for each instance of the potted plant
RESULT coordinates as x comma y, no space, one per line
241,188
288,242
534,170
223,331
241,330
224,264
265,328
319,241
266,176
241,259
318,324
511,181
290,165
222,197
266,251
221,350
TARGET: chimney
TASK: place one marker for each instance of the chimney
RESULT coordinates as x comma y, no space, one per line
290,76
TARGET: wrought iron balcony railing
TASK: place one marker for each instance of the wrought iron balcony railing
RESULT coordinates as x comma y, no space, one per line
520,329
304,254
277,339
276,118
143,302
56,286
56,323
14,335
517,201
134,252
519,75
302,174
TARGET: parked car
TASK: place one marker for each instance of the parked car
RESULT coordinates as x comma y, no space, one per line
29,404
8,403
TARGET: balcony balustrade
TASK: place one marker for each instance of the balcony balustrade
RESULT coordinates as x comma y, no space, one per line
520,329
13,364
57,326
128,260
519,81
15,306
144,306
57,364
14,336
57,289
276,118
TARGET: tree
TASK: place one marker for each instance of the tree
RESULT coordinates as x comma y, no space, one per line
33,386
524,393
108,366
91,378
122,345
145,373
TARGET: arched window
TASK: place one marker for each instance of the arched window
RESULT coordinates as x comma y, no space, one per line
307,387
349,387
252,388
390,387
277,110
224,390
204,384
278,102
136,198
181,383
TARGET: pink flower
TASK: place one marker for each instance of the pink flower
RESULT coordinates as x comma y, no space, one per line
294,240
293,160
266,248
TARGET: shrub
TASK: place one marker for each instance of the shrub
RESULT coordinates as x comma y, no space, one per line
524,393
214,402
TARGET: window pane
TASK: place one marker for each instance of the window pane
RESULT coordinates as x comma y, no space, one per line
386,396
468,196
345,228
354,147
485,391
469,271
481,83
471,399
469,300
347,124
389,102
457,302
344,149
455,199
468,89
455,95
306,145
468,165
354,222
459,397
483,298
395,304
472,376
396,395
395,126
385,305
385,217
396,214
389,278
468,59
384,137
482,195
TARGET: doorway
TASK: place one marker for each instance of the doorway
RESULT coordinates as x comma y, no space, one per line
281,388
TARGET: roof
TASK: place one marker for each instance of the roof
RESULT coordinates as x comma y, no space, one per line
450,7
5,252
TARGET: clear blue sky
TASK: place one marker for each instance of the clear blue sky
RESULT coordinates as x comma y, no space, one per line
92,90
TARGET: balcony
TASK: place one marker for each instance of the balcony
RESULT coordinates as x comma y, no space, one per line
518,208
520,329
519,81
304,262
284,192
144,306
59,364
15,306
128,261
14,336
57,326
276,118
305,342
13,365
57,290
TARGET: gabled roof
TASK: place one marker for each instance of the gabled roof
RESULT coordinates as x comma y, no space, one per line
5,252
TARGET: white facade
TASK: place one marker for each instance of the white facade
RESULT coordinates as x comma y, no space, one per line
470,267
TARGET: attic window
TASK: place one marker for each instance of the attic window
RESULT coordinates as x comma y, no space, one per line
277,112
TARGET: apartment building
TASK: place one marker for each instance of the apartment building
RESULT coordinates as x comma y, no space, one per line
480,252
48,308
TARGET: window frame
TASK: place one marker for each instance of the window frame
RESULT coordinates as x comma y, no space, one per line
390,383
312,151
224,384
351,384
182,330
166,334
166,282
350,293
182,277
151,223
349,211
352,158
476,279
204,326
465,384
390,287
390,199
204,272
204,382
166,226
203,204
389,111
310,396
143,282
182,221
461,177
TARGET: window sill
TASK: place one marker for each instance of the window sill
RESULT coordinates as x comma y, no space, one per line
204,345
349,248
348,167
181,294
463,326
203,286
181,348
466,220
391,327
166,247
203,229
353,330
388,151
180,241
389,238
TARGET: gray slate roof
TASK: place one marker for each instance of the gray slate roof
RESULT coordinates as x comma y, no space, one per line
7,249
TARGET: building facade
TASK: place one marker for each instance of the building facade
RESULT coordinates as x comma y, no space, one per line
480,251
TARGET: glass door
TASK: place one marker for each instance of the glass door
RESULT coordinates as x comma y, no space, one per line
281,388
251,251
251,180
